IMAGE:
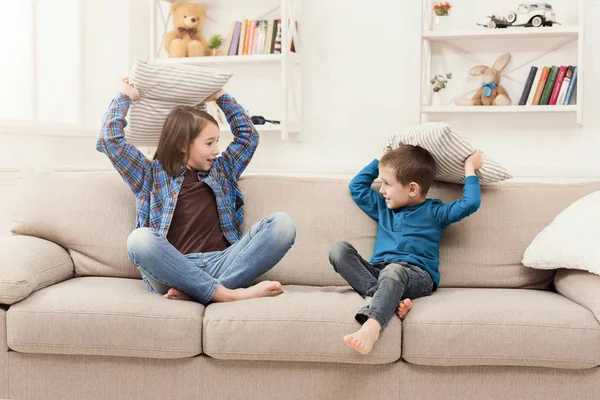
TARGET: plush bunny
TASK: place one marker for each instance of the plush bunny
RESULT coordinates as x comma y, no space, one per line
490,93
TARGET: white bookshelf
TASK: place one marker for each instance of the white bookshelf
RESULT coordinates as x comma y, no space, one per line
277,76
555,34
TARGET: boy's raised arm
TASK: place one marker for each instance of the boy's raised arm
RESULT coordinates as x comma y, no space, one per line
452,212
364,196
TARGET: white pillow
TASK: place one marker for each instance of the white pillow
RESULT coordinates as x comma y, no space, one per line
571,240
163,87
450,149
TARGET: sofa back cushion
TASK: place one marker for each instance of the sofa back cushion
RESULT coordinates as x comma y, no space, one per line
484,250
88,213
92,213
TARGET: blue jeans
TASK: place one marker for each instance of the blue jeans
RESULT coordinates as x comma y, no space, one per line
387,282
199,274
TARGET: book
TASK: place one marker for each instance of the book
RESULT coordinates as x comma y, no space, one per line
572,85
541,85
557,85
534,86
247,38
229,38
240,50
269,37
549,86
235,40
528,84
277,47
252,37
274,38
565,85
261,33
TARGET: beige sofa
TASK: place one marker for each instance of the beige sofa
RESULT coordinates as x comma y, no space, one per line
79,324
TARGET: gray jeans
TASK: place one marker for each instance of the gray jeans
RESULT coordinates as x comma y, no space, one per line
387,282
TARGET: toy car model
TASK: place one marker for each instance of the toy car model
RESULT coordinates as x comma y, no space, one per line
533,14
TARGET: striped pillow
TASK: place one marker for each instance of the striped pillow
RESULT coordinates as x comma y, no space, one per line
162,88
450,149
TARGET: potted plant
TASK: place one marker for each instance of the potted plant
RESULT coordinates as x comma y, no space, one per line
214,43
442,21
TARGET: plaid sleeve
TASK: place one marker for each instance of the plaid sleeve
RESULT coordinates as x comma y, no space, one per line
238,154
131,164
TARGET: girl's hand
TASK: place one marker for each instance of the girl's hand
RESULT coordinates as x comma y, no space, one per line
128,89
214,96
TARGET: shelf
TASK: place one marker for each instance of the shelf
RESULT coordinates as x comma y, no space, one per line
228,60
518,32
497,109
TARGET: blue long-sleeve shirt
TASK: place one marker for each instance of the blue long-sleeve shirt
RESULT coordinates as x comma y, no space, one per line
411,234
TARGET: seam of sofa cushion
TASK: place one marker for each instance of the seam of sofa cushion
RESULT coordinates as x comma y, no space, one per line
20,282
497,358
448,323
209,319
108,346
300,354
68,313
36,287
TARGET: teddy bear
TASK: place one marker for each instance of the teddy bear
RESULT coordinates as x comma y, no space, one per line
187,39
490,93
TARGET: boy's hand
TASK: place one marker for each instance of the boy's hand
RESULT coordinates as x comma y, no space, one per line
214,96
128,89
473,163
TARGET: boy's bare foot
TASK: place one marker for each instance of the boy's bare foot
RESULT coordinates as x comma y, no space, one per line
403,308
174,294
261,289
364,339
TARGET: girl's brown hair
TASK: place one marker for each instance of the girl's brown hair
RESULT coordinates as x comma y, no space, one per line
181,127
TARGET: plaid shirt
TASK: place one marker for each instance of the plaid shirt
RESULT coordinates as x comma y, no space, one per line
156,191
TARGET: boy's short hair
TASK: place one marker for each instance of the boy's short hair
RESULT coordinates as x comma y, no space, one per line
411,164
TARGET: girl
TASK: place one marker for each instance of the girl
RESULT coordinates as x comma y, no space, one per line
188,241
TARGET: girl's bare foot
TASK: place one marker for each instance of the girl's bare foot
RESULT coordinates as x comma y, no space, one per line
363,340
261,289
174,294
403,308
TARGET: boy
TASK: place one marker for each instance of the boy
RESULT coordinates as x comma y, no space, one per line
405,262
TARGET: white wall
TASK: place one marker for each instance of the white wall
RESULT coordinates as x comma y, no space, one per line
361,83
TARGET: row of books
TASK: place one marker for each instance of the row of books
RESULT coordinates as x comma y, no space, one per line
549,86
253,37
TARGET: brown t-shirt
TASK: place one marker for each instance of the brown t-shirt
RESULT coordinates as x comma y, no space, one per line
195,226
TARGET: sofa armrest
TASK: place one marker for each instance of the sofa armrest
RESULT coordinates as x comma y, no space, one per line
28,264
581,287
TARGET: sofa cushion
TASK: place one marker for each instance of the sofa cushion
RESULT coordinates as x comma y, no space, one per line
486,249
323,212
496,235
515,327
571,239
302,324
28,264
105,316
88,213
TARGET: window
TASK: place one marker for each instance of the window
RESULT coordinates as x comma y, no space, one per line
41,72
